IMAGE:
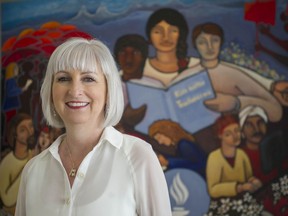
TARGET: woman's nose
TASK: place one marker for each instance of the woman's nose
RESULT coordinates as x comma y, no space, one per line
75,89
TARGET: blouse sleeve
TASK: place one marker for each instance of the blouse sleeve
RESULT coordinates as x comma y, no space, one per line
150,185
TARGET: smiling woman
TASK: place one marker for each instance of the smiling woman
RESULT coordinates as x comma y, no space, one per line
92,167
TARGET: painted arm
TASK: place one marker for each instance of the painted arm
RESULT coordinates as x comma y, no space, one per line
9,187
244,91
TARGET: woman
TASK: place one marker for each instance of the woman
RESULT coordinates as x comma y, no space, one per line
228,168
176,148
234,89
167,31
92,168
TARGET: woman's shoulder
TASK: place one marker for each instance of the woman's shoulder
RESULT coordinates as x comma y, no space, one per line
215,153
133,143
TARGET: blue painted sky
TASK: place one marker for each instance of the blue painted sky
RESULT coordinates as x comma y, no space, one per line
16,13
130,16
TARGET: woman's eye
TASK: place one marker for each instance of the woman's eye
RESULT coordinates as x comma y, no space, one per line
88,79
174,30
156,31
62,79
216,39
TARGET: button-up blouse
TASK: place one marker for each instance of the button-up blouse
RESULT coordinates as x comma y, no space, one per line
121,176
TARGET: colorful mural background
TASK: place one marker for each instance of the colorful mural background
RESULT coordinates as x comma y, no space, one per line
253,39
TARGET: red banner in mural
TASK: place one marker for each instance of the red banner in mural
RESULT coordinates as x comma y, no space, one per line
261,11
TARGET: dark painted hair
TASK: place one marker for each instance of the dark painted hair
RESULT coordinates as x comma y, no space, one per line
172,17
133,40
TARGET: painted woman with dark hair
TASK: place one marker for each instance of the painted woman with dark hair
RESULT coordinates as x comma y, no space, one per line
167,31
130,52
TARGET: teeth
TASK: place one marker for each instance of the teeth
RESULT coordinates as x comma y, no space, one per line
77,104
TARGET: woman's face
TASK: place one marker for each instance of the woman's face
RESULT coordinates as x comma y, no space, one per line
231,135
208,46
79,97
44,140
164,37
16,71
163,139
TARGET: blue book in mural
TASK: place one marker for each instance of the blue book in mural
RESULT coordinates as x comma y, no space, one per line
182,101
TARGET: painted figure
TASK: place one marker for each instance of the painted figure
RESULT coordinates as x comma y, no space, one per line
266,151
167,31
228,169
44,140
130,53
11,102
21,139
178,148
234,88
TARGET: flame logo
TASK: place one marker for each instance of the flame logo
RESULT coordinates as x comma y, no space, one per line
179,191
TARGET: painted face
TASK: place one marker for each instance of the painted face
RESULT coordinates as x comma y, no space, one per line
24,131
165,37
254,129
79,97
208,46
44,140
231,135
163,139
16,71
130,60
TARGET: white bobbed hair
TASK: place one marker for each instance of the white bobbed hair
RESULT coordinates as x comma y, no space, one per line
84,55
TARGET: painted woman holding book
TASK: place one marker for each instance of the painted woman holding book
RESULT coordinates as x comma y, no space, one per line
234,88
167,31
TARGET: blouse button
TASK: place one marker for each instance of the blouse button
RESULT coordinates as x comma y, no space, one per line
68,201
81,175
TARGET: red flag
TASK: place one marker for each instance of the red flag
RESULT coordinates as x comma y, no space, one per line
261,11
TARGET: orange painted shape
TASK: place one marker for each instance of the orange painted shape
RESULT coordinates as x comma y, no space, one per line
67,27
8,44
51,25
26,32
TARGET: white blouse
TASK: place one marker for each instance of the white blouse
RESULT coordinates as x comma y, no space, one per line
121,176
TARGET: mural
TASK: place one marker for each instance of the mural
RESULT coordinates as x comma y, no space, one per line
205,83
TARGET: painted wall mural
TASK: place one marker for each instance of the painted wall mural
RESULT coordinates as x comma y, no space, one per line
205,83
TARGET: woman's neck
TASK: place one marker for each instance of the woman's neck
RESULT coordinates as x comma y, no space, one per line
209,63
165,62
81,138
228,151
